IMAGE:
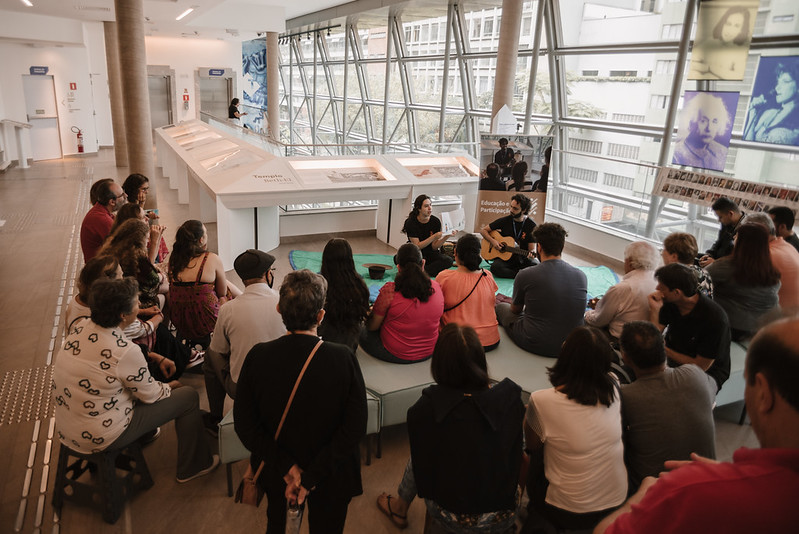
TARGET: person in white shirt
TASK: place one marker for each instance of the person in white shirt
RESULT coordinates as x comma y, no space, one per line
245,321
105,398
629,299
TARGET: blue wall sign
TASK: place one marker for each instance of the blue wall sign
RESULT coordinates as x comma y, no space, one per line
216,72
38,70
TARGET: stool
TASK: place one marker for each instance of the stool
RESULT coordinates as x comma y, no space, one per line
109,490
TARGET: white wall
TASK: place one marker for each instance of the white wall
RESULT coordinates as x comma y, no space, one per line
68,63
185,55
95,46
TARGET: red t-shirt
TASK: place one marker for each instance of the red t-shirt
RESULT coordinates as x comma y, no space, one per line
95,228
755,493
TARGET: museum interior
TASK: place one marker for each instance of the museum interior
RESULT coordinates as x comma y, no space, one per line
347,112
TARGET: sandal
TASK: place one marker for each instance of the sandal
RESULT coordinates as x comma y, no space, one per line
384,505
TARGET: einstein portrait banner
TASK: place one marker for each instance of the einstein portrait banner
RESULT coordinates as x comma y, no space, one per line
705,189
704,130
723,34
773,113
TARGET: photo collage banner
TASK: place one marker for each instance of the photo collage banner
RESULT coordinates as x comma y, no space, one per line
705,189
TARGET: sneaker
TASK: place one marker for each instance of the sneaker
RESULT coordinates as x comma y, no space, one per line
197,357
211,423
204,472
151,436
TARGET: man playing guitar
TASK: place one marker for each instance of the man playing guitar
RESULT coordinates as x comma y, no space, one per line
500,236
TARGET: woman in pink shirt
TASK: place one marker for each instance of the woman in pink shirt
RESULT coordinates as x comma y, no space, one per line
469,293
403,325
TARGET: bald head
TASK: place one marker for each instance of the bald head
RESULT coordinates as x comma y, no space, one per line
772,372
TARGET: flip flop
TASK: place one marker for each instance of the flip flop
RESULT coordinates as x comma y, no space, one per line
384,505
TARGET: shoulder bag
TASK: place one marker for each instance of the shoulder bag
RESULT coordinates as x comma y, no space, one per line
249,492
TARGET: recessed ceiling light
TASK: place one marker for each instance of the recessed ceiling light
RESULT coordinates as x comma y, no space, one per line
184,13
27,3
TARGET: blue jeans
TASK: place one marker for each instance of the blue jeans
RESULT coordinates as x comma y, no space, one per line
499,522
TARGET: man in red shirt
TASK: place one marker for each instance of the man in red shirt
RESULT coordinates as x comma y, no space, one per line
757,491
97,223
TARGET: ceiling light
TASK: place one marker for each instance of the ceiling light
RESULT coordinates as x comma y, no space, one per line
184,13
27,3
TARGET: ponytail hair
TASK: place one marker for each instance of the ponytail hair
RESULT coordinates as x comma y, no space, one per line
412,281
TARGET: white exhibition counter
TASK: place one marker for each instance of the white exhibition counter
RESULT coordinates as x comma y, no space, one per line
240,187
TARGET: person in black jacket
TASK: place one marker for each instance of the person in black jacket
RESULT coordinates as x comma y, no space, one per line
731,217
466,443
317,453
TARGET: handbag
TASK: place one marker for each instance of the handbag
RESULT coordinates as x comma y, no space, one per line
249,492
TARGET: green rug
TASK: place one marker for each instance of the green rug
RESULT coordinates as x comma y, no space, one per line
599,278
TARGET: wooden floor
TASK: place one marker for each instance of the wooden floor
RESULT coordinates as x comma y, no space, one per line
41,209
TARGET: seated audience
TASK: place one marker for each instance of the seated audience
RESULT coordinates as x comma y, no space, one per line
491,181
403,325
548,299
466,443
424,230
97,223
698,329
746,283
347,303
137,187
245,321
469,293
785,259
134,211
573,433
518,226
317,453
197,283
679,247
730,217
504,157
784,218
166,358
757,491
104,395
518,174
667,412
629,299
128,244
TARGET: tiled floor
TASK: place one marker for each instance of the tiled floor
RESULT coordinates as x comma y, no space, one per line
41,209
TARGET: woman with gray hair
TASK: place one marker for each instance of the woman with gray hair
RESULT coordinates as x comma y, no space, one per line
310,449
629,299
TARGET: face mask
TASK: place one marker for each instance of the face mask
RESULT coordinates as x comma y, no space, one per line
270,279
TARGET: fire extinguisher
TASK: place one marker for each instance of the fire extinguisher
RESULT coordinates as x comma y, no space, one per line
78,131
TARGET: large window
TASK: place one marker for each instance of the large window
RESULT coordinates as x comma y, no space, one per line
603,83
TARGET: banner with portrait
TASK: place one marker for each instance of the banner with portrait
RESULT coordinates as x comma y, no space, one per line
705,128
723,34
253,69
705,189
507,150
773,113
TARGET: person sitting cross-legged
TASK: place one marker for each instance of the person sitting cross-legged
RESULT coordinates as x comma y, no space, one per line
629,299
667,412
105,398
548,299
698,329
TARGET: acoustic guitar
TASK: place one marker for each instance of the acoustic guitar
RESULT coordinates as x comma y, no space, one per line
508,249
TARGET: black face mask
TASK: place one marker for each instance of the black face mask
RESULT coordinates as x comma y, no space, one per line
270,279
